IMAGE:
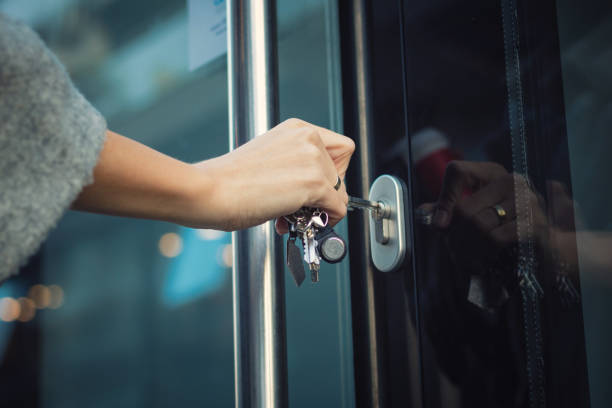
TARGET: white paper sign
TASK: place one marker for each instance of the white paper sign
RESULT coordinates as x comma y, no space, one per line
207,31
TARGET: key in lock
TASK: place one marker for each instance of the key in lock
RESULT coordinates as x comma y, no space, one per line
388,238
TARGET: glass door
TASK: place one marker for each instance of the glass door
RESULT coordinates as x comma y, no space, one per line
129,313
495,113
498,289
136,313
318,315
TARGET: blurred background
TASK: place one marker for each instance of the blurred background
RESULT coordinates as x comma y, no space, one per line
135,313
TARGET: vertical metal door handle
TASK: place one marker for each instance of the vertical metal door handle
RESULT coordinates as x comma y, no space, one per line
260,361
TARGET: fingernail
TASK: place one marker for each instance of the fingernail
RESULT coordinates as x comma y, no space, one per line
440,218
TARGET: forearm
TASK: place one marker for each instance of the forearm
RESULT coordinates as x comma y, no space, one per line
292,165
133,180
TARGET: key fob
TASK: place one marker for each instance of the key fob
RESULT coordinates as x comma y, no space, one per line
294,259
330,246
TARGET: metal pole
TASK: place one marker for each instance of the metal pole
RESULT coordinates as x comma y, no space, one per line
368,359
258,274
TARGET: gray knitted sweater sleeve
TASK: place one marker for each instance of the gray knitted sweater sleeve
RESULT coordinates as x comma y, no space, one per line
50,139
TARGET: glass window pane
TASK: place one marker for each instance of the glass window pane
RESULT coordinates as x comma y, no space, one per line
141,311
319,333
585,35
500,291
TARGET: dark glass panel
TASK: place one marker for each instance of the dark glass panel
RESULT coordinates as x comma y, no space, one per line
498,289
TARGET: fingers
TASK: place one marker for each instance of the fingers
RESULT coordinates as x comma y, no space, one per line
326,162
508,233
488,219
333,150
324,157
459,176
488,196
339,147
331,201
505,234
324,195
326,134
334,203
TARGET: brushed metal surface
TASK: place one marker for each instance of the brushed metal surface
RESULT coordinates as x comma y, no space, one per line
391,192
260,357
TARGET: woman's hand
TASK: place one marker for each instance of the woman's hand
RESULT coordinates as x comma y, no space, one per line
474,228
293,165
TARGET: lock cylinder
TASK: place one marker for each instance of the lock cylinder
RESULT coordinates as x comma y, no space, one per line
388,239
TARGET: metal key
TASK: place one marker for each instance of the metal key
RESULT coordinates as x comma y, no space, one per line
319,241
310,253
380,214
356,202
318,220
305,223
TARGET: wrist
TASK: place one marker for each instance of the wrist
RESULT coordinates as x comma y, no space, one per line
206,206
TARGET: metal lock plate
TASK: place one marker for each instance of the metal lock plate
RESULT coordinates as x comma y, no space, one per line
388,241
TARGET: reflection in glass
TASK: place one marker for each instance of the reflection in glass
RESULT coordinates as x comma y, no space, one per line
500,277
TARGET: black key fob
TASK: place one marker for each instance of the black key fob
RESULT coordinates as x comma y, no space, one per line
294,260
330,246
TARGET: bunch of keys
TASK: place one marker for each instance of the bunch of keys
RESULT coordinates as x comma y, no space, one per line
319,241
